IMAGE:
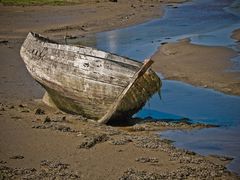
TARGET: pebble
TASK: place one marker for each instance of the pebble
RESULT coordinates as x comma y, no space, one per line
39,111
25,111
16,117
120,141
47,120
90,142
11,107
146,160
17,157
62,128
21,106
223,158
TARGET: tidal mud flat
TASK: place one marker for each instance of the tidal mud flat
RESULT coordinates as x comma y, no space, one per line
195,47
39,142
199,65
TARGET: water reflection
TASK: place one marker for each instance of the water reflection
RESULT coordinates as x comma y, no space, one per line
202,105
193,20
112,41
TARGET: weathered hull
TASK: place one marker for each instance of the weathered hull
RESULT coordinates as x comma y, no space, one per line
82,80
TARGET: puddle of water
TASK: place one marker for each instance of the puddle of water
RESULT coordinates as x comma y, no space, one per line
207,22
220,141
180,100
201,105
220,37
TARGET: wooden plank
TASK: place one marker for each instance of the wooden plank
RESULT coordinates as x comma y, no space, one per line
113,108
87,67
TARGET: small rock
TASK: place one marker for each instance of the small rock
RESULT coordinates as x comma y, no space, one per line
63,128
16,117
226,158
17,157
89,142
47,120
223,158
138,127
39,111
11,107
71,37
25,111
120,141
190,153
162,43
146,160
21,106
133,6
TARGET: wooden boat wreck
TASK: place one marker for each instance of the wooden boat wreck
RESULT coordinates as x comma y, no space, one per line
82,80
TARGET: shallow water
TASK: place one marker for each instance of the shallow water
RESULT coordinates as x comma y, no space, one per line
181,100
223,141
204,21
207,22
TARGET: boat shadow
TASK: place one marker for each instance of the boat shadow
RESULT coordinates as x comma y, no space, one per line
134,121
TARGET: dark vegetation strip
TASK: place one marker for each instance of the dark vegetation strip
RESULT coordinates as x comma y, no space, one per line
43,2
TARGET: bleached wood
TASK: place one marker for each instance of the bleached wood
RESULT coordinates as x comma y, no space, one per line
114,106
86,81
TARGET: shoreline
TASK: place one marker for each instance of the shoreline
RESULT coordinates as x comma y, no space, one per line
55,144
236,35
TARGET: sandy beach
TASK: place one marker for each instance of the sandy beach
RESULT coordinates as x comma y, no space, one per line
38,142
209,67
16,21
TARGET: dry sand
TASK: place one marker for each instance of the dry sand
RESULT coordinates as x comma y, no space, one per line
74,20
53,144
198,65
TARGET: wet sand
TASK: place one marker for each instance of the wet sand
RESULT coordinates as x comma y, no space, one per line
236,35
74,20
56,22
204,66
53,144
45,143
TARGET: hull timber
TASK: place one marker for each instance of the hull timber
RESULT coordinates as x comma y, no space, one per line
86,81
